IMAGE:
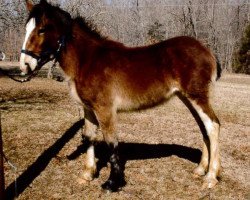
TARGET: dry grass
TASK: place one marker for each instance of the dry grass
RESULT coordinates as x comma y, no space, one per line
160,146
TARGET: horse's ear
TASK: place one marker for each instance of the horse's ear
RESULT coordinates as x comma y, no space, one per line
29,5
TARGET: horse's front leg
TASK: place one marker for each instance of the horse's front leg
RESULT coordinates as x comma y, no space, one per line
89,137
107,118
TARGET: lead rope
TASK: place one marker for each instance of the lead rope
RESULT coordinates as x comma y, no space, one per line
51,70
10,163
27,79
15,79
13,167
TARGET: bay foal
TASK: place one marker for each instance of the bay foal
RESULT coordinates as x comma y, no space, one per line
106,76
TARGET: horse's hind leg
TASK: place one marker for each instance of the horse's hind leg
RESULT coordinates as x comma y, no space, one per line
90,135
210,160
203,165
212,127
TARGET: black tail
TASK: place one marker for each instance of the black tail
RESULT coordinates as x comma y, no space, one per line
219,69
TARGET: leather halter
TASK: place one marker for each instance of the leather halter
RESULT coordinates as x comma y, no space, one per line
42,59
47,55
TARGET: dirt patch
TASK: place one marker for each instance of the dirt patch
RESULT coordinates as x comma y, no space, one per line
160,147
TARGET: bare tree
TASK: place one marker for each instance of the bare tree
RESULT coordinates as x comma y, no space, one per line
218,23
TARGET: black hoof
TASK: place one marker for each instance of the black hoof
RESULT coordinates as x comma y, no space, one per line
113,186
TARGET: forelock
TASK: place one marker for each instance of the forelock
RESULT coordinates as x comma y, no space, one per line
37,12
50,11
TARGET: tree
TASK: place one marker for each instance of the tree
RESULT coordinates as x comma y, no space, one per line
219,24
241,62
12,19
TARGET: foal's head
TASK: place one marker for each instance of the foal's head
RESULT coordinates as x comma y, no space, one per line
46,25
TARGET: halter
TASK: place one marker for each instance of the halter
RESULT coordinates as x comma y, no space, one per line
42,59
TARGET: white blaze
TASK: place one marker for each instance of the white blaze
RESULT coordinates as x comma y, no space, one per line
26,58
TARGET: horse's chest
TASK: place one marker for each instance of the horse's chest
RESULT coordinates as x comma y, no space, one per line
73,92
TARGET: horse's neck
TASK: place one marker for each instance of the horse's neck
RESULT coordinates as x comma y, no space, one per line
77,53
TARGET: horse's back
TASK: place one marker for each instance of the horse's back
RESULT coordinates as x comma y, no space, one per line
175,57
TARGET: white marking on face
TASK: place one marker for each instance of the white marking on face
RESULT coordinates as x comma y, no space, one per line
31,25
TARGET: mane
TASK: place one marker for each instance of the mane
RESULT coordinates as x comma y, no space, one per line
65,20
88,27
91,30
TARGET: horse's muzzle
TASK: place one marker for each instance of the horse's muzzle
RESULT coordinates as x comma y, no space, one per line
27,63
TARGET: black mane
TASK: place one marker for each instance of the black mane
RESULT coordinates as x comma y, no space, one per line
88,27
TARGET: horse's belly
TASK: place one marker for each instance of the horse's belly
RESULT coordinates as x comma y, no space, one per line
125,104
138,102
133,100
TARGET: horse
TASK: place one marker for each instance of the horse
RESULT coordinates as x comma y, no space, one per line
106,76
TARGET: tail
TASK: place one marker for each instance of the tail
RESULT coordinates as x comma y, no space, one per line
219,69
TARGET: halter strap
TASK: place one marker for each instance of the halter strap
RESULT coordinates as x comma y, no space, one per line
41,60
47,55
30,53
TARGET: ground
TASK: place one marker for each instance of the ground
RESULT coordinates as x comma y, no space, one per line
160,147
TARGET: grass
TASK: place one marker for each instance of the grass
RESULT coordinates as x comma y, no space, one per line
160,146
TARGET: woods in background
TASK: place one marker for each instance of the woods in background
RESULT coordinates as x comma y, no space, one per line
241,58
220,24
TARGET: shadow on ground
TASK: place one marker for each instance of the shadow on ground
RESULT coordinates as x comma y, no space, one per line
127,151
138,151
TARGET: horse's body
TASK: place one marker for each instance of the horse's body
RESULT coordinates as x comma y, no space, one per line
131,78
105,76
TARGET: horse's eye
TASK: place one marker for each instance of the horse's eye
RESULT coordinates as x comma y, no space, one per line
41,31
